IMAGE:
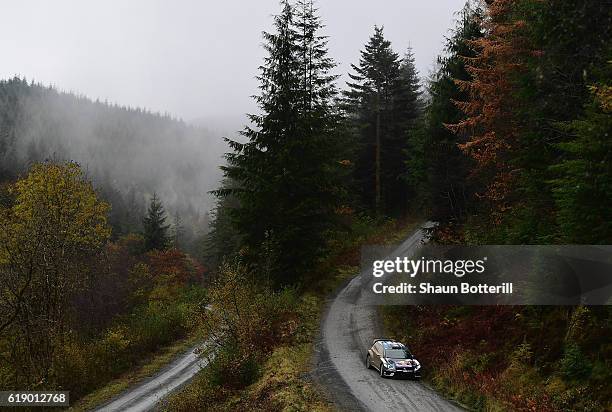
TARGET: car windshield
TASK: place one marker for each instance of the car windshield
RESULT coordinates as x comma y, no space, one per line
398,353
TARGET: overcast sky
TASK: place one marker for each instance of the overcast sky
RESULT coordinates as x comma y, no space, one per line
191,58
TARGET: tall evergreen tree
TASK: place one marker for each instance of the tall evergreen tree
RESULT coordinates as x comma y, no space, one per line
178,230
582,187
223,238
530,74
403,141
155,227
407,104
445,171
571,52
381,101
491,125
285,173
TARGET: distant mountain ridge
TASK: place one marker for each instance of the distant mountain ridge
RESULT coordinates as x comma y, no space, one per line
129,152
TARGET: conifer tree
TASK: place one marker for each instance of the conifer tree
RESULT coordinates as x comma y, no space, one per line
284,175
530,74
223,238
178,230
445,172
407,102
407,111
491,125
570,41
382,101
155,227
582,188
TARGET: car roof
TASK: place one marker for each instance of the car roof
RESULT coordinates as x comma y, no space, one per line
390,343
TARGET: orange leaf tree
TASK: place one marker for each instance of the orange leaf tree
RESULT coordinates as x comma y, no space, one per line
492,127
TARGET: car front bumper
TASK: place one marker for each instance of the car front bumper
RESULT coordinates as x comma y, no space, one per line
411,373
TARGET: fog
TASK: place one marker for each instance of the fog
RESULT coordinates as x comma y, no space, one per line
129,154
191,58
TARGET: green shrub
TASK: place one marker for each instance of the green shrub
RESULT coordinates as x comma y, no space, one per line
573,364
232,369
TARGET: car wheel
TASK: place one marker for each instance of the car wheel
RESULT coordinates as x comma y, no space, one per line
368,362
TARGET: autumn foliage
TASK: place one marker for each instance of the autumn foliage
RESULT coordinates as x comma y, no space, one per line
491,126
77,310
173,269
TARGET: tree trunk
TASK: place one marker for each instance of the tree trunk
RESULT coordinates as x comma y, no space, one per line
378,189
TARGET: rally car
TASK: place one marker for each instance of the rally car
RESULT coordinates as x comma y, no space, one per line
392,358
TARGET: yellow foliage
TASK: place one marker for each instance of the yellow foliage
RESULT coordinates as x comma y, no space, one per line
57,199
116,340
55,212
53,229
604,96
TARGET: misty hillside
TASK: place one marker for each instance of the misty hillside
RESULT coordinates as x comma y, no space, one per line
129,153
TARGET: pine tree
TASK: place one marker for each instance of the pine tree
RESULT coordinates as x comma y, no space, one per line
403,140
407,104
582,188
178,230
155,227
223,238
369,103
530,74
570,53
284,174
492,128
445,172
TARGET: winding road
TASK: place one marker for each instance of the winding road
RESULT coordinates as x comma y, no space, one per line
349,325
145,395
348,328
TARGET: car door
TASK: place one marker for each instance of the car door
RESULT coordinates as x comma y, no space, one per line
378,354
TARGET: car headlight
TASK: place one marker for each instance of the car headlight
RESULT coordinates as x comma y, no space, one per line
391,364
416,364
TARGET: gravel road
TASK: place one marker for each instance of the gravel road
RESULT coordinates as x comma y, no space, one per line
348,328
147,394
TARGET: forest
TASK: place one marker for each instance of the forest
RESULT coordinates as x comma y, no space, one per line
116,147
104,261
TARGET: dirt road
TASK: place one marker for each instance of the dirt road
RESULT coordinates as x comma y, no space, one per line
348,328
147,394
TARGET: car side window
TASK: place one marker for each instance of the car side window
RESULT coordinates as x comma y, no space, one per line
378,347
